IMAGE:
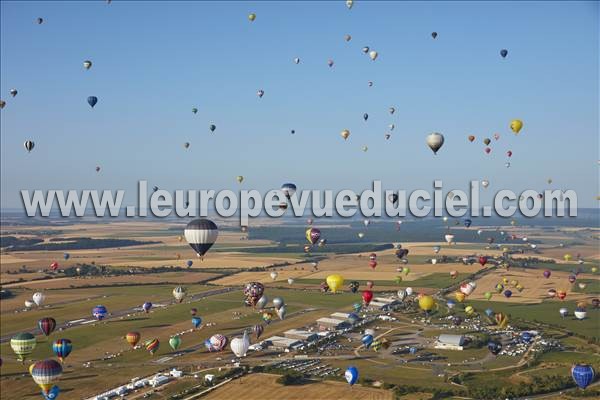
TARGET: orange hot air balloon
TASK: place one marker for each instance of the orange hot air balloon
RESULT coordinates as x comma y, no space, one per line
561,294
453,274
133,338
471,138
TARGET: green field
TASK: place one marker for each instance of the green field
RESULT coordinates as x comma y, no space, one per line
546,312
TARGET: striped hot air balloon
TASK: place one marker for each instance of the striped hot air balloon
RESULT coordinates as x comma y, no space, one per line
47,325
152,345
23,345
45,373
62,348
201,234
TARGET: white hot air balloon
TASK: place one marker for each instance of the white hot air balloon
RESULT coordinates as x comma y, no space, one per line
274,275
409,291
366,222
449,238
435,141
401,294
485,183
262,302
179,293
580,313
563,312
281,312
38,298
434,261
239,346
290,281
201,234
278,302
361,235
349,4
373,55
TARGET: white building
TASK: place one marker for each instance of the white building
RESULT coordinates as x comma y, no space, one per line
159,380
330,323
300,334
176,373
340,315
282,343
450,342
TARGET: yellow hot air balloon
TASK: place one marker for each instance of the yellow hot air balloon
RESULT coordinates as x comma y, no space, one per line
516,125
240,178
252,17
469,310
567,257
459,296
335,282
505,281
426,303
345,134
594,269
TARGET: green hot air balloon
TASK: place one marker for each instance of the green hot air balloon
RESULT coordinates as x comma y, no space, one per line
23,345
175,342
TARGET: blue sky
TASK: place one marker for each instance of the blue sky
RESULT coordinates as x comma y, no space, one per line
154,61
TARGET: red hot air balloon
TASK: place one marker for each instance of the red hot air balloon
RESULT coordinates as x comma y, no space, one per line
483,260
561,294
54,266
367,296
47,325
372,264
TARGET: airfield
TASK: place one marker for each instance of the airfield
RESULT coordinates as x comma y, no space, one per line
101,359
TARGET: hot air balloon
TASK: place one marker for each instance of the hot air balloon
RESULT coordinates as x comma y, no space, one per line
2,104
434,34
516,125
260,93
29,303
239,346
62,348
45,373
563,312
196,321
179,293
38,298
468,288
251,17
354,286
347,37
189,263
489,312
23,345
218,342
40,20
367,296
146,307
195,110
54,266
201,234
487,295
278,302
345,134
467,222
487,150
133,338
212,127
401,294
503,53
409,291
313,235
426,303
13,92
459,296
258,330
494,347
66,256
349,4
547,273
175,342
483,260
99,312
47,325
273,275
435,141
453,274
507,293
572,278
373,55
288,189
29,145
290,281
583,375
281,312
253,292
330,63
92,100
580,313
351,375
152,345
485,183
372,264
469,310
449,238
367,340
87,64
486,141
335,282
471,138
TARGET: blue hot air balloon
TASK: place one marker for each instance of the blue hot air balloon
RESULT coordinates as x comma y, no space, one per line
66,256
467,222
189,263
92,100
147,306
351,375
489,312
196,321
52,393
367,340
582,374
99,312
451,304
507,293
412,350
526,337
